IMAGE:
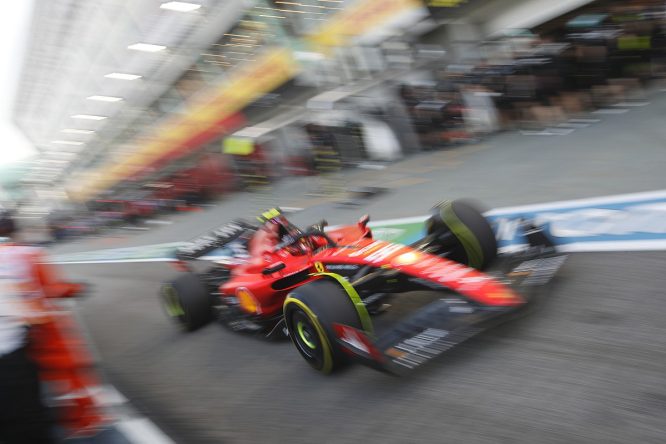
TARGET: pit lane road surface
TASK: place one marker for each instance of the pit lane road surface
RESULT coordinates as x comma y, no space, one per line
585,366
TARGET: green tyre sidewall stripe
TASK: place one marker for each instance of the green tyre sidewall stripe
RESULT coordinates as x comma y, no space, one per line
468,240
360,307
171,303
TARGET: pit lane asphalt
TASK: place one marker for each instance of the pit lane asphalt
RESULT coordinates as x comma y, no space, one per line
585,366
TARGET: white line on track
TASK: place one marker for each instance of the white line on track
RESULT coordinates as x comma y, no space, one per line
158,222
126,421
618,198
113,261
611,111
107,395
142,431
594,247
631,104
549,132
574,203
630,245
584,120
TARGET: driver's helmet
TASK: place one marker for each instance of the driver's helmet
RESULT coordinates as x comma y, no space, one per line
284,227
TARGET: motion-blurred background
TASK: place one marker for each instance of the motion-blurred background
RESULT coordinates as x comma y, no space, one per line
137,108
144,123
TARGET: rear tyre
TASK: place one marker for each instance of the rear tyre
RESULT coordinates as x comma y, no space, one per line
310,312
460,228
187,302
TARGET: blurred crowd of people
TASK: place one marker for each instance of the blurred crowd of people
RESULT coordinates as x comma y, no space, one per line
526,81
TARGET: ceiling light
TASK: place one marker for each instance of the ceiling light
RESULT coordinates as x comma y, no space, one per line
105,98
88,117
180,6
146,47
122,76
76,131
66,142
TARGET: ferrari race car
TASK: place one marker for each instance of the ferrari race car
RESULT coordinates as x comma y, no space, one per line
329,289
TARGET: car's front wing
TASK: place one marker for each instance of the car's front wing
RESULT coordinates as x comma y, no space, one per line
443,323
423,336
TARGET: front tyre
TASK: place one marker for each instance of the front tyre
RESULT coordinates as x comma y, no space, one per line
186,301
460,229
310,312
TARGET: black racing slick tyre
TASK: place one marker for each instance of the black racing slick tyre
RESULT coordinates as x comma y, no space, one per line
186,301
310,312
462,230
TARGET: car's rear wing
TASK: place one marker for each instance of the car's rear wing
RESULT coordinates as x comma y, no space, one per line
213,240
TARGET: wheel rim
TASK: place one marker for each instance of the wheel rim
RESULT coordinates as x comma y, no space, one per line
172,305
305,335
306,338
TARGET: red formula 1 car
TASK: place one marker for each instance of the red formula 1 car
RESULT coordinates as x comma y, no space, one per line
327,289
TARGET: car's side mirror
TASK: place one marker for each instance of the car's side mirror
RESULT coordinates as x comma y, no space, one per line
363,221
274,268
